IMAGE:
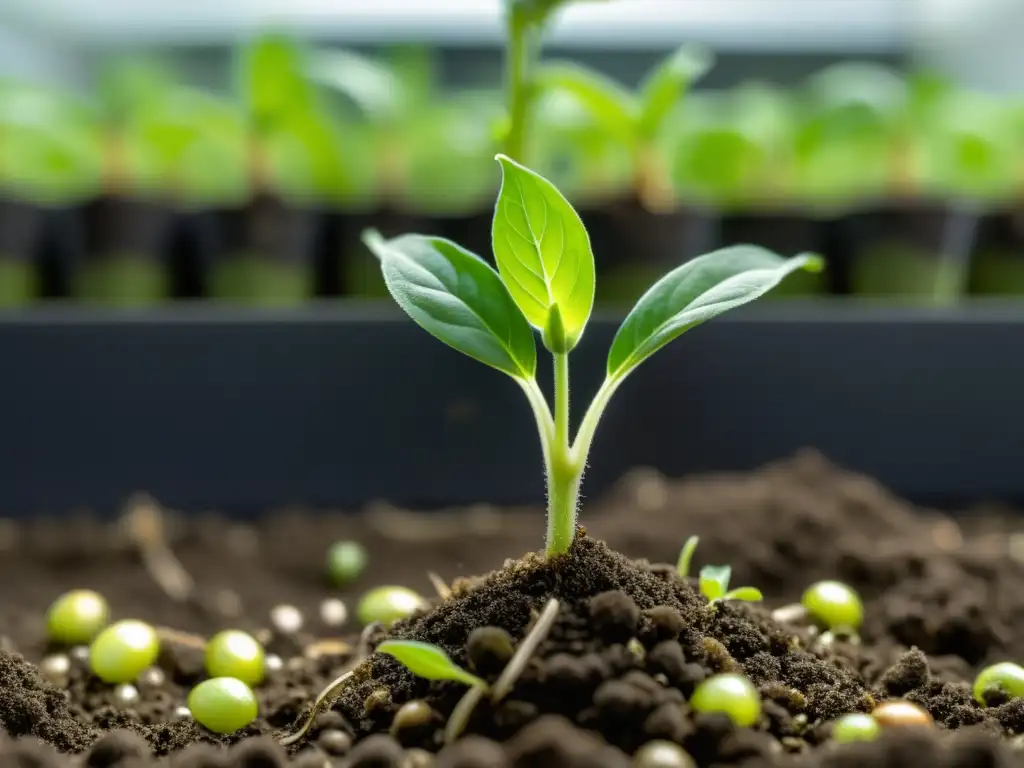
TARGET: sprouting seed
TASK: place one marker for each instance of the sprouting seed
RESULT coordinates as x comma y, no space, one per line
686,557
714,585
1005,677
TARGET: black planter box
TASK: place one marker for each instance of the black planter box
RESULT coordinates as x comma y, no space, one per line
339,406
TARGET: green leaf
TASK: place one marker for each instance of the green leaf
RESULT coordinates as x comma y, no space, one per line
271,74
747,594
428,661
665,85
699,290
686,557
543,251
459,298
609,104
714,581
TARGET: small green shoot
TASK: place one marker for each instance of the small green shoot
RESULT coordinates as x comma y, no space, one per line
714,585
428,661
686,557
545,282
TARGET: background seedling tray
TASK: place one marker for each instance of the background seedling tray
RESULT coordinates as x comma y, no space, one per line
345,404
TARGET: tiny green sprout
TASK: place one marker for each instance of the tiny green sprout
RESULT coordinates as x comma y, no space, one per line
77,617
223,704
388,605
428,661
346,560
855,727
732,695
545,283
1005,677
233,653
714,585
686,557
834,605
123,650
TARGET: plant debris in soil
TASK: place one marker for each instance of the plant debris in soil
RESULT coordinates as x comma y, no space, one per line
629,644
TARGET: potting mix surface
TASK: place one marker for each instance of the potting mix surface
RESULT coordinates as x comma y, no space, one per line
630,641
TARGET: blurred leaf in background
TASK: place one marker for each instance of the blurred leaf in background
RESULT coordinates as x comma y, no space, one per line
271,79
852,124
451,148
968,149
732,147
576,152
50,145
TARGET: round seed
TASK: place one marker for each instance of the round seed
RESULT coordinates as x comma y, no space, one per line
900,713
287,619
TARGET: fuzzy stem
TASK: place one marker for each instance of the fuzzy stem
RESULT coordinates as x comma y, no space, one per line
564,474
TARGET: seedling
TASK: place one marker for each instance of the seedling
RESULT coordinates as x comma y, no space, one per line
428,661
636,119
714,585
545,282
686,556
432,663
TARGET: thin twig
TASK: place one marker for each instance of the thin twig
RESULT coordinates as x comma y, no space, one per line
526,649
143,522
442,589
167,634
332,688
463,711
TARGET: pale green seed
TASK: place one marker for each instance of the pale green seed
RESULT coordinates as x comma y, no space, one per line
233,653
388,605
223,704
855,727
346,561
122,651
730,694
834,604
77,617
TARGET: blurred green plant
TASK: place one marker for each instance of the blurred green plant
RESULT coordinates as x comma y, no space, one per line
50,145
637,120
732,148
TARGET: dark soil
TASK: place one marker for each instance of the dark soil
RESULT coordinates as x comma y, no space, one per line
628,646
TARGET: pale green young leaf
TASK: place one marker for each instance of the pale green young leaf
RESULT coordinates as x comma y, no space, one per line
714,581
747,594
428,661
695,292
459,298
686,557
666,83
609,104
543,251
